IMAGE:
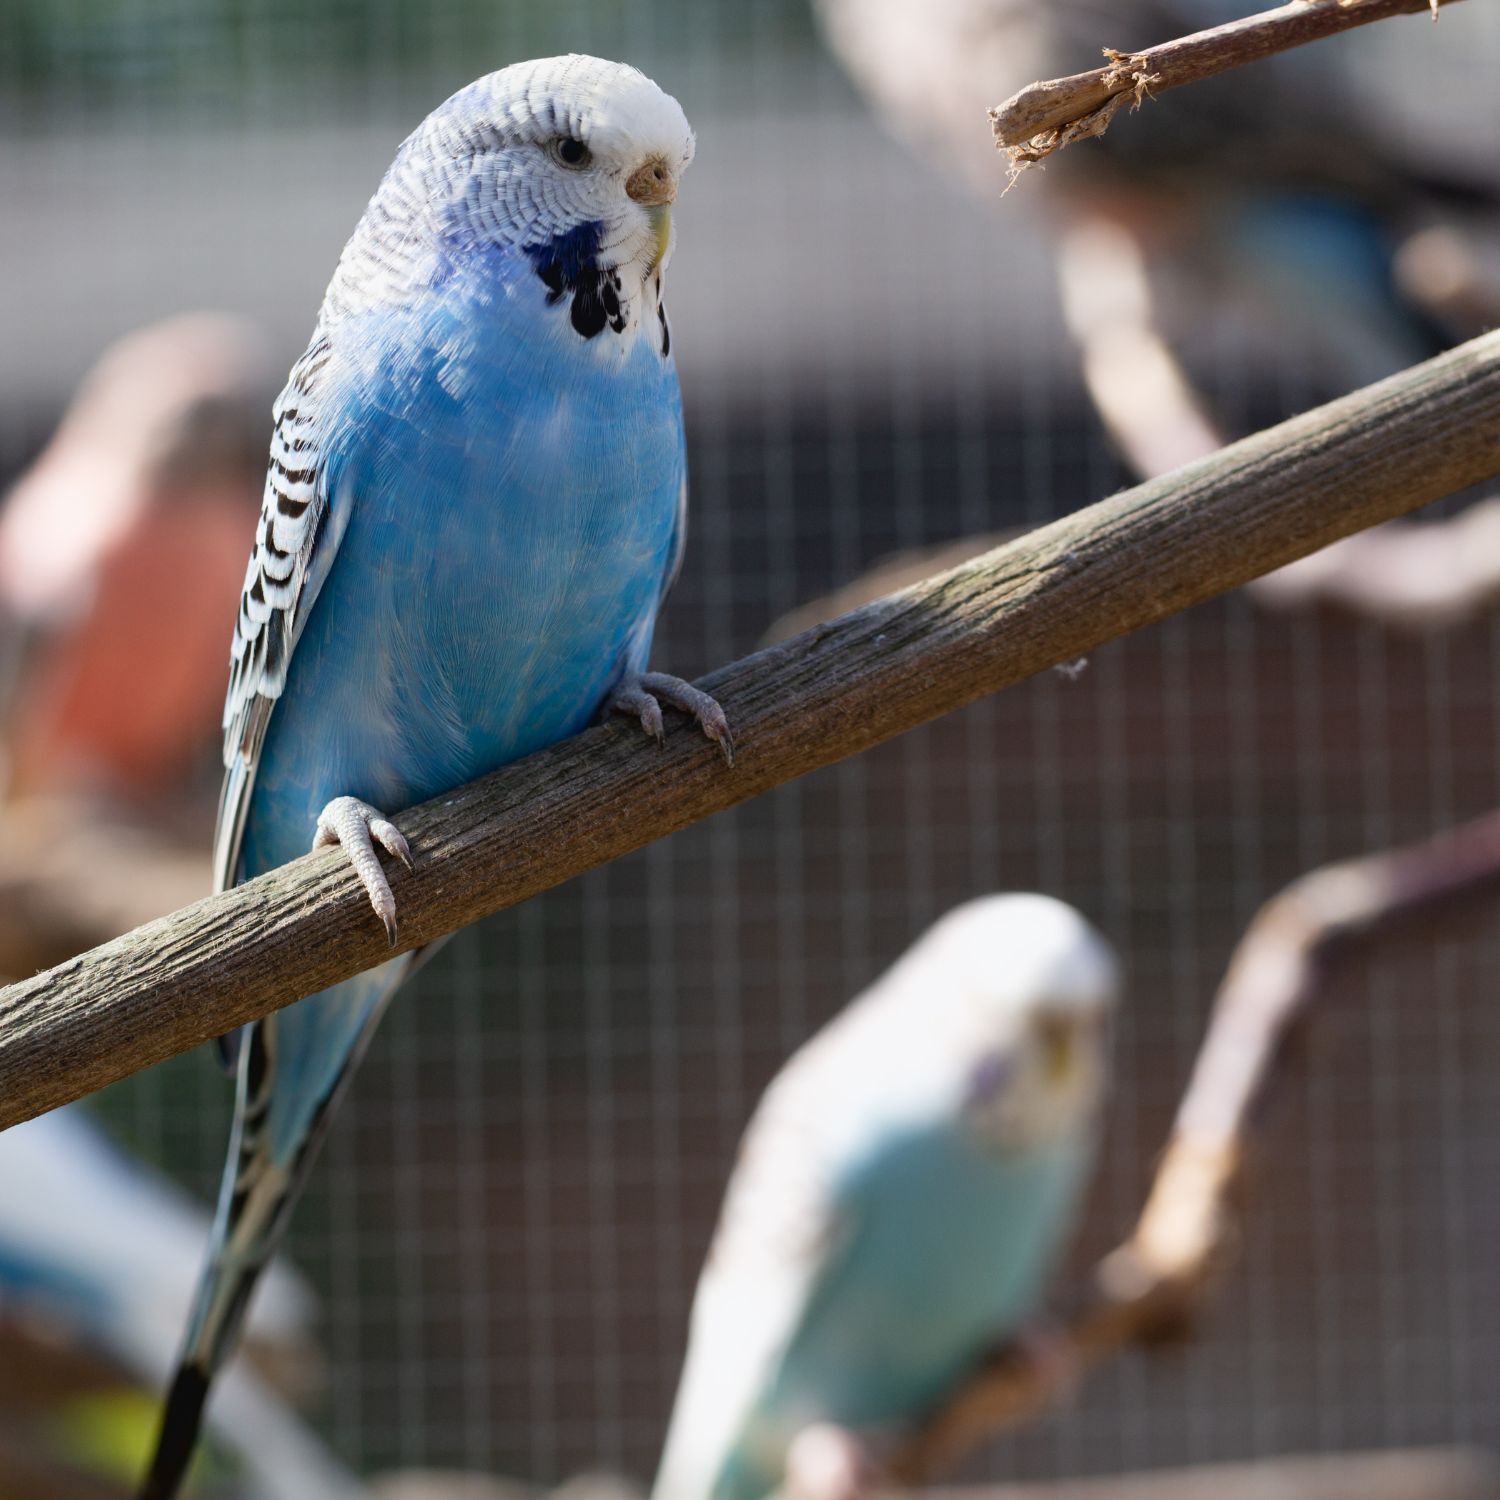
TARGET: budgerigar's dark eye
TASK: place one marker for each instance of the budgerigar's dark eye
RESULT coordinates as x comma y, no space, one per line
570,152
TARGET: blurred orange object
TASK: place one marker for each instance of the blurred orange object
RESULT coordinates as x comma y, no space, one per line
121,555
128,701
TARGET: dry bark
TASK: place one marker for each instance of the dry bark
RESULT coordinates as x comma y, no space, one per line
1046,598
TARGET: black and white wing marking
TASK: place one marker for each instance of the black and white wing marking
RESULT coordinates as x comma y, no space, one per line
294,545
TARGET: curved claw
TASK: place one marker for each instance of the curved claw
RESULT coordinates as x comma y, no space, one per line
639,695
358,827
630,699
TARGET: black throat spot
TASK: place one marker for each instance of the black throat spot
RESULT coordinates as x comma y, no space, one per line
569,267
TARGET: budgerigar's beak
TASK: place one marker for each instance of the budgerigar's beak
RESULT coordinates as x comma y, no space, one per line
661,229
1059,1047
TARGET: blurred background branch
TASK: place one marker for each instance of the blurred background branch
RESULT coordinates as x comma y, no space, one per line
1289,188
1154,1286
1413,1474
1045,599
1428,575
1045,116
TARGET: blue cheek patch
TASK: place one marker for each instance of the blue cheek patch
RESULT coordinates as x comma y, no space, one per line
569,268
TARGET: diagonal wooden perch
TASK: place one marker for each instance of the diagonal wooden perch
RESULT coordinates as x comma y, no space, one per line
1044,117
1159,1279
1046,598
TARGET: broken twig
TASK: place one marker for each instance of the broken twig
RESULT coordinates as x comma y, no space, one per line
1044,117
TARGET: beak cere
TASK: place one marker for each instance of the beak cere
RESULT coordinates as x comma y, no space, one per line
652,183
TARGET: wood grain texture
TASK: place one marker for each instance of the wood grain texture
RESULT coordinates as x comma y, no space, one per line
1043,599
1043,116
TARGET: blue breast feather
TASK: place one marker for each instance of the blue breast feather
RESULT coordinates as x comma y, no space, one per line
511,491
950,1246
512,494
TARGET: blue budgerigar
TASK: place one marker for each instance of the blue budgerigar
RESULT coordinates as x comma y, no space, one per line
474,506
901,1195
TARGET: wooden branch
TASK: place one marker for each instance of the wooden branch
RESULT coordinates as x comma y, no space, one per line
1157,1282
74,872
452,1484
1148,403
1416,576
840,688
1428,575
1387,1474
887,575
1044,117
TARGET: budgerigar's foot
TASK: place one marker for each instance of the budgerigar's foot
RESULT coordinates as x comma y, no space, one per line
825,1462
642,695
359,827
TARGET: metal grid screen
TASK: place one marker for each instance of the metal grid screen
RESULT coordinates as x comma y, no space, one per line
510,1213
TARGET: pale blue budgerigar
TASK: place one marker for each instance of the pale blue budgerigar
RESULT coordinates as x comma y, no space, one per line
901,1195
97,1254
474,506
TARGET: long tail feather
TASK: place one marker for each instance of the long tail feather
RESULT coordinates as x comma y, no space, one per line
256,1198
179,1434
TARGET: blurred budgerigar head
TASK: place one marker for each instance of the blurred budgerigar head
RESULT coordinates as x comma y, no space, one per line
1021,989
572,160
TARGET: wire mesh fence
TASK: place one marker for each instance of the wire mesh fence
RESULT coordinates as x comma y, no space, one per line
511,1210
